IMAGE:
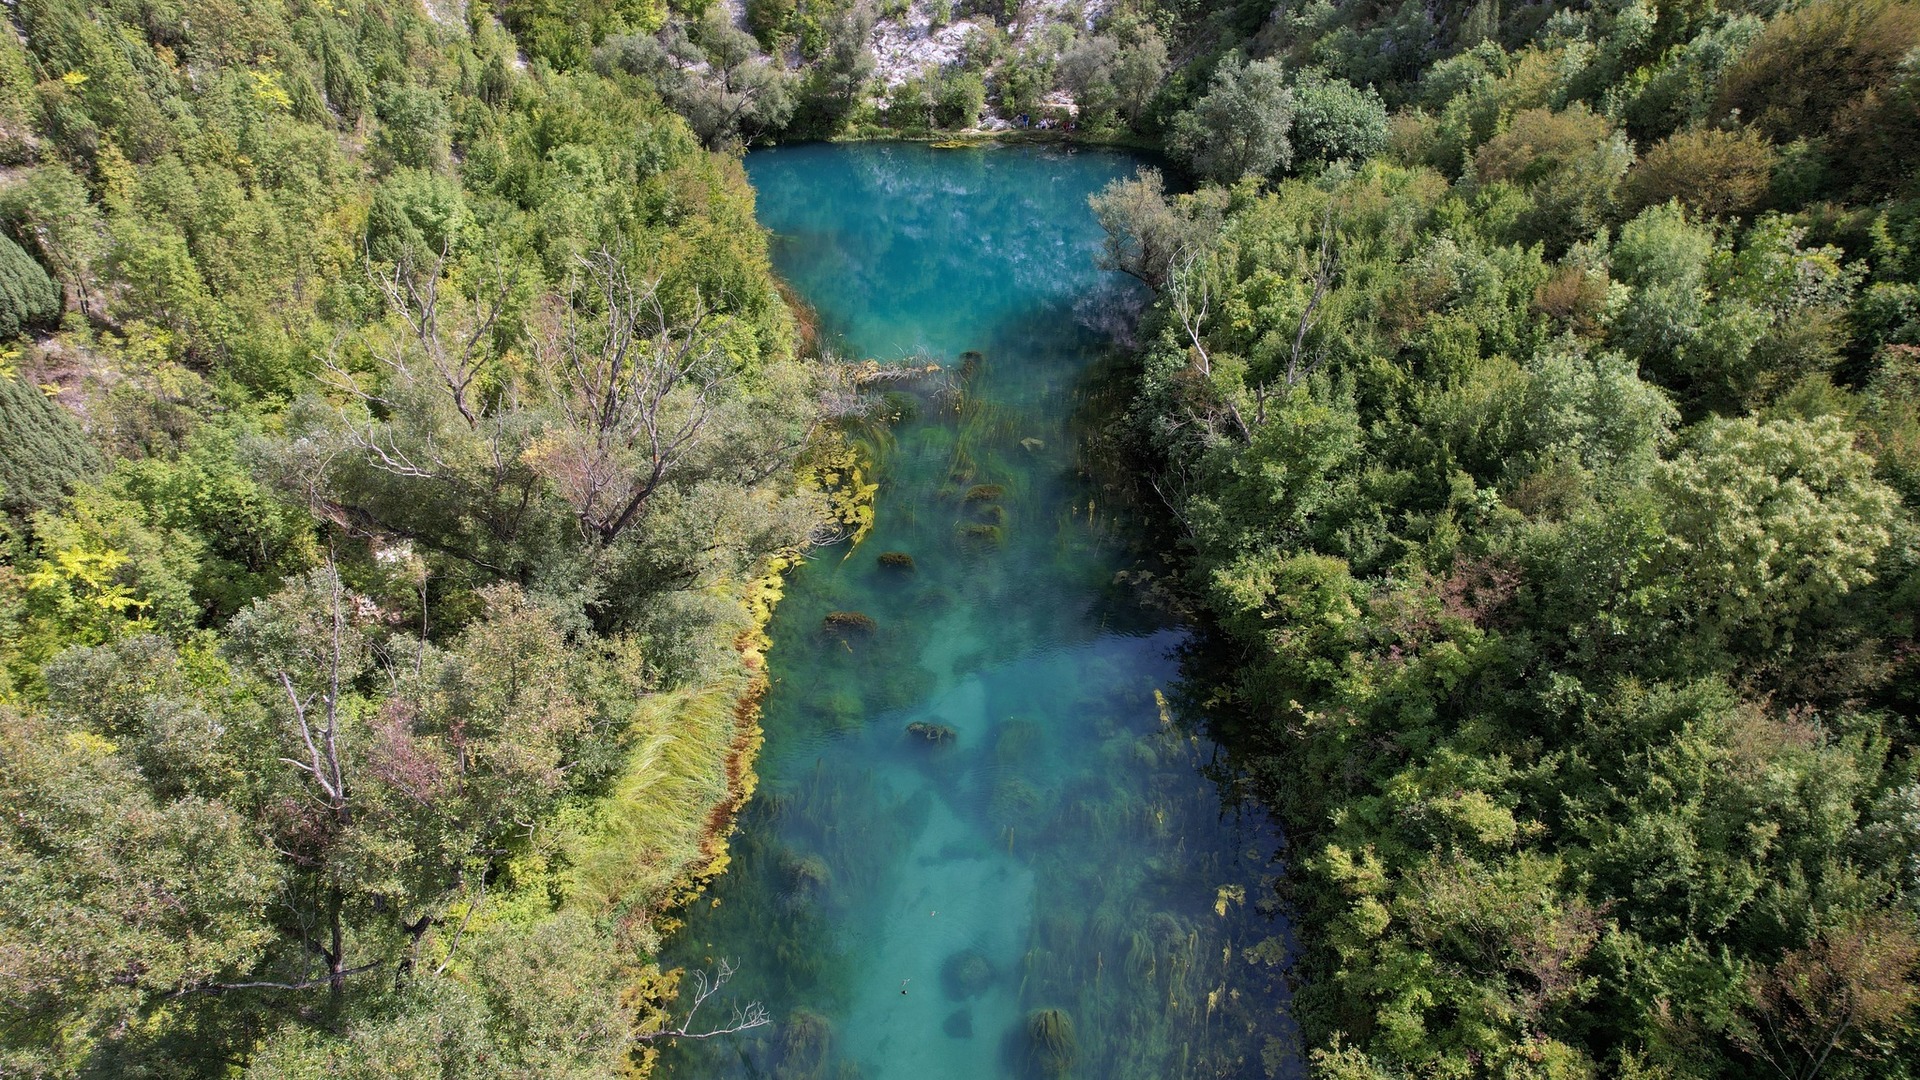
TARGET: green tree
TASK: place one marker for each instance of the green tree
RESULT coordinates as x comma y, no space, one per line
1241,126
1569,164
111,900
1712,172
28,297
43,452
1333,119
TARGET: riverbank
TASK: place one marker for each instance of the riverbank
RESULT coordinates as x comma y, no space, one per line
1105,139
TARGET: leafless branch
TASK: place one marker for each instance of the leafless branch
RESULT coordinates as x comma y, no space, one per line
754,1015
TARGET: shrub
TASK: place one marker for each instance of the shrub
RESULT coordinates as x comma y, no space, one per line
28,297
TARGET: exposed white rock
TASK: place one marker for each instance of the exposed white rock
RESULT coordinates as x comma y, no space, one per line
905,46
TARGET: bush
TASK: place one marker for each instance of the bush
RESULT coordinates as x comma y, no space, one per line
958,102
28,297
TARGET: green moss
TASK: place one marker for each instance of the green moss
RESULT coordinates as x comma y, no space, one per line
900,685
1142,959
1014,740
1016,804
985,493
897,406
896,560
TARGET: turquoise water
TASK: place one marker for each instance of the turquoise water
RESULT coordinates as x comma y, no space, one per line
1049,886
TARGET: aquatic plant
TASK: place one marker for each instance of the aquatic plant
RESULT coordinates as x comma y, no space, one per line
1142,958
1051,1045
838,711
900,684
967,973
990,514
931,732
985,493
807,875
1015,802
806,1043
982,532
850,622
1014,740
898,405
970,362
896,560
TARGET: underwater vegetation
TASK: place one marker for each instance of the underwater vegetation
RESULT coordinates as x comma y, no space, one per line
840,710
807,876
970,362
1016,803
898,406
931,732
1014,741
985,493
1051,1046
806,1047
850,622
959,1024
896,560
966,974
982,532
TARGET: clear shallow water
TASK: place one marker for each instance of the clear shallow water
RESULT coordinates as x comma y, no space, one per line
1061,850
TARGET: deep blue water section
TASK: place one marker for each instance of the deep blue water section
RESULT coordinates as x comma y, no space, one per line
982,845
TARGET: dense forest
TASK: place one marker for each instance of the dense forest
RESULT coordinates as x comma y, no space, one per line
393,436
399,422
1540,425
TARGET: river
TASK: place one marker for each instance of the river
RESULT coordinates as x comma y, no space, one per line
981,846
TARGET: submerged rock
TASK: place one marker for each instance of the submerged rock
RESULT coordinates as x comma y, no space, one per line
959,1024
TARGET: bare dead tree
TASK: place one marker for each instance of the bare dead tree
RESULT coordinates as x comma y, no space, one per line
316,714
753,1015
636,387
451,337
1191,310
